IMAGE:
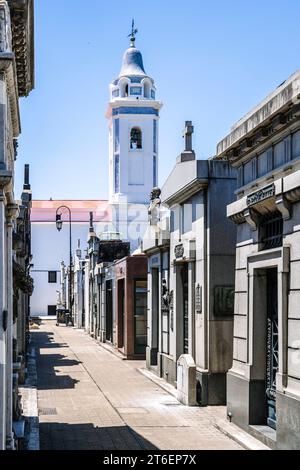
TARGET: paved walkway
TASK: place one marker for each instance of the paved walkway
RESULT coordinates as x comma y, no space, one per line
90,399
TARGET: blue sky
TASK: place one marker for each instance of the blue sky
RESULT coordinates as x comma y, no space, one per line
211,60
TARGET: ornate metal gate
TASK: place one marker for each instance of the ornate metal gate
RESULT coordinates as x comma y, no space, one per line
272,346
185,300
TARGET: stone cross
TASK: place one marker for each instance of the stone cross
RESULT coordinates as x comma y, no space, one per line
188,133
91,222
132,35
26,177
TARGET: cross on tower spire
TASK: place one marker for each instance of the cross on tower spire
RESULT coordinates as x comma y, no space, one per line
132,35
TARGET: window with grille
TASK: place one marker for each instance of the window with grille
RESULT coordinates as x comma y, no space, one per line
271,231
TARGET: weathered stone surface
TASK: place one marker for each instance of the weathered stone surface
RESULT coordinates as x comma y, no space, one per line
240,326
295,275
186,380
294,304
240,349
271,105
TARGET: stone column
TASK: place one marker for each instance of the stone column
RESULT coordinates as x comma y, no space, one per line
86,295
11,212
3,310
4,180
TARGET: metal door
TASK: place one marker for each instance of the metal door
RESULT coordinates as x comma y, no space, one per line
122,293
185,300
109,319
272,346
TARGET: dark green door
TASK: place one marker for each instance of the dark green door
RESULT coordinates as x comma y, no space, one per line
109,317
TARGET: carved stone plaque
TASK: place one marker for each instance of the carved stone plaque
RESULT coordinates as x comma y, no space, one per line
224,300
198,299
261,195
179,251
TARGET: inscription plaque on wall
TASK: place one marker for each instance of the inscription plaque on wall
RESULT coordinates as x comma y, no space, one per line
261,195
198,299
154,261
171,305
224,300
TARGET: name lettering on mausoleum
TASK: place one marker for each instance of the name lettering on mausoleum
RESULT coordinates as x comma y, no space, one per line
261,195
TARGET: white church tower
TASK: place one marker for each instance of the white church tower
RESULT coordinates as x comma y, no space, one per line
133,143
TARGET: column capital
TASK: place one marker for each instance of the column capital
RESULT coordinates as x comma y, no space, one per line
11,212
5,178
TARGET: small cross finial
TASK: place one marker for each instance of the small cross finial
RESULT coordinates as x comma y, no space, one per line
132,34
26,184
188,132
91,222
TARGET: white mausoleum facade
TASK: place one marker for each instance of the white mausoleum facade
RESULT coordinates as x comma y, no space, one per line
263,385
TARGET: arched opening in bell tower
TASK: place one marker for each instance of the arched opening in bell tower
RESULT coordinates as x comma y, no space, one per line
124,88
147,89
136,141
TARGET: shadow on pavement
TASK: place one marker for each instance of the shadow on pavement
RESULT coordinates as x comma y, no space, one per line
49,375
64,436
44,340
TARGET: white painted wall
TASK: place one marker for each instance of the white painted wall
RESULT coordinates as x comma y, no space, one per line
49,248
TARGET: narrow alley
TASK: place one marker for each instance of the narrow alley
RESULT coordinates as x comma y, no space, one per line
88,398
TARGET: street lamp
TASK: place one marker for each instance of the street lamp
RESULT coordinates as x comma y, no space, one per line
59,222
59,225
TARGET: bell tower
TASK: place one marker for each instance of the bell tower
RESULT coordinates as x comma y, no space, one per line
133,131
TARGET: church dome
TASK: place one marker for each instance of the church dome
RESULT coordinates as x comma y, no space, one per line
132,64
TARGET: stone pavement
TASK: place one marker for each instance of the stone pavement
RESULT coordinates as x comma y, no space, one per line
90,399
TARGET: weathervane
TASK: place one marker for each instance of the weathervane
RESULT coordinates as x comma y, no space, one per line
132,34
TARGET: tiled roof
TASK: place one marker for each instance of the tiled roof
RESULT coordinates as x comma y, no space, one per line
45,211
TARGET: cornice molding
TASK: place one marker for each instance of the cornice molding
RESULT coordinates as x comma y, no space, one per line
270,115
186,192
5,179
11,212
8,68
22,28
281,201
140,103
241,150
